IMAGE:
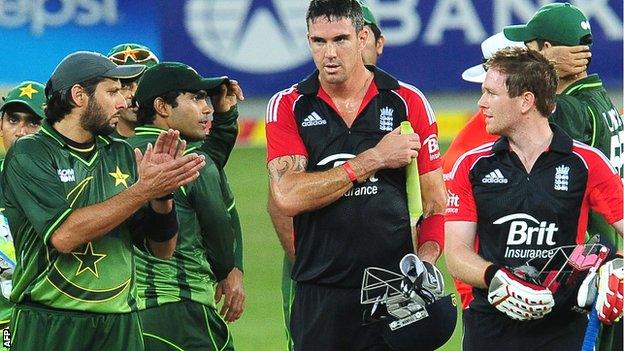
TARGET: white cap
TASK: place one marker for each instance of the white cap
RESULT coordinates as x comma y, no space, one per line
489,47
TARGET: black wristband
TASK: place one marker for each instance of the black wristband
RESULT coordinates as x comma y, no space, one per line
490,272
160,227
165,198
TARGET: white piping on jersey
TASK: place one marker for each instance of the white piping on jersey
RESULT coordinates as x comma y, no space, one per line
295,103
480,157
428,109
404,102
582,159
476,150
596,151
273,104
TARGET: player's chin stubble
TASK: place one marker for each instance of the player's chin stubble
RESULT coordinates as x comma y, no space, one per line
95,121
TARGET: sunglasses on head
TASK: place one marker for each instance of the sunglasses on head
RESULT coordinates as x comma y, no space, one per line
137,55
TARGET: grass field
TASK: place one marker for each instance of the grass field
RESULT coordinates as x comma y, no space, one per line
261,327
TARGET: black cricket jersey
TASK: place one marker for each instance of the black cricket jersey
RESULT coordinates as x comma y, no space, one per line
369,224
522,216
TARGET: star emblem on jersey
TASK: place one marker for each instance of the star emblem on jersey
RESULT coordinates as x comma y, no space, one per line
27,90
120,178
88,260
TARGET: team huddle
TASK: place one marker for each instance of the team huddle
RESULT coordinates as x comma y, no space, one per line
120,231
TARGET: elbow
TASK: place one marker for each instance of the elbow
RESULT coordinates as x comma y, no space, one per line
61,243
284,206
436,204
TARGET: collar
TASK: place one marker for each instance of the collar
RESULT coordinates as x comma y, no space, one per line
48,130
561,142
589,82
383,81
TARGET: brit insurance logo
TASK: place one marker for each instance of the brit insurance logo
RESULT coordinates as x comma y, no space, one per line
255,36
368,188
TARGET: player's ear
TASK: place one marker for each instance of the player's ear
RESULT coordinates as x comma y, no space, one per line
78,95
380,44
162,108
547,45
528,101
363,37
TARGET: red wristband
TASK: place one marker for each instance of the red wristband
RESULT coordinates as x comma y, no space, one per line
350,172
432,229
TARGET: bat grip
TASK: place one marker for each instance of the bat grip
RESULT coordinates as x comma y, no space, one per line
591,332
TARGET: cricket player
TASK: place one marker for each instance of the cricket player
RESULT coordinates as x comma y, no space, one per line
283,224
22,113
222,131
335,161
520,197
584,109
71,193
130,54
180,310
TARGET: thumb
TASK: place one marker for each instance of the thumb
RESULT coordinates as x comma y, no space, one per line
218,292
138,156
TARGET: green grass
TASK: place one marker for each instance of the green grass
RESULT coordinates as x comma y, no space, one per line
261,327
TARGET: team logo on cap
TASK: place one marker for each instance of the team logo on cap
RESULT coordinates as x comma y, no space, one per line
27,90
585,25
235,33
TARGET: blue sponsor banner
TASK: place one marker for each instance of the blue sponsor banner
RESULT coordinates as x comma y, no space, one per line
38,34
262,43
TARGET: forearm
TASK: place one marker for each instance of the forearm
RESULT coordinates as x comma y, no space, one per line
284,228
163,249
430,241
92,222
238,238
218,238
298,191
466,265
220,141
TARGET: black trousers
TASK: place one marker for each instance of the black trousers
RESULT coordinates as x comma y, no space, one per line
330,319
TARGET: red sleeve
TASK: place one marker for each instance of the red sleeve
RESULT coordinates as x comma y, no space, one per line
604,185
421,116
461,204
281,128
472,135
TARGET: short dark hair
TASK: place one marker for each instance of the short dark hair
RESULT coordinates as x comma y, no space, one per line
527,70
61,104
333,10
146,113
585,40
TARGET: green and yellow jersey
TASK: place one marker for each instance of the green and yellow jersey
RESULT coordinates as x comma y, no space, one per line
7,262
44,180
586,113
204,251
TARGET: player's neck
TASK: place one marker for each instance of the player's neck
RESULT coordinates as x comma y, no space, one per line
530,141
351,87
125,128
564,83
70,128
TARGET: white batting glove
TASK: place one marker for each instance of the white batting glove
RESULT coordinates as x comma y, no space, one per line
517,298
610,299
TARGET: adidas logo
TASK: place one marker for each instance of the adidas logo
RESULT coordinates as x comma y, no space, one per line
313,119
495,177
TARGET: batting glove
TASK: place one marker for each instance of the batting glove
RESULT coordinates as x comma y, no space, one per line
433,280
518,298
610,299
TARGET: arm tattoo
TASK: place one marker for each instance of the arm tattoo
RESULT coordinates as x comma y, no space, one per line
281,165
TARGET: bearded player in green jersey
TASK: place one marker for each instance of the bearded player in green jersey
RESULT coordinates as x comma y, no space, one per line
76,201
180,308
22,113
583,110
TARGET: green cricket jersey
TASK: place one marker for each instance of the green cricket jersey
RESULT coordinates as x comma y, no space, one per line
7,261
204,252
43,182
586,113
